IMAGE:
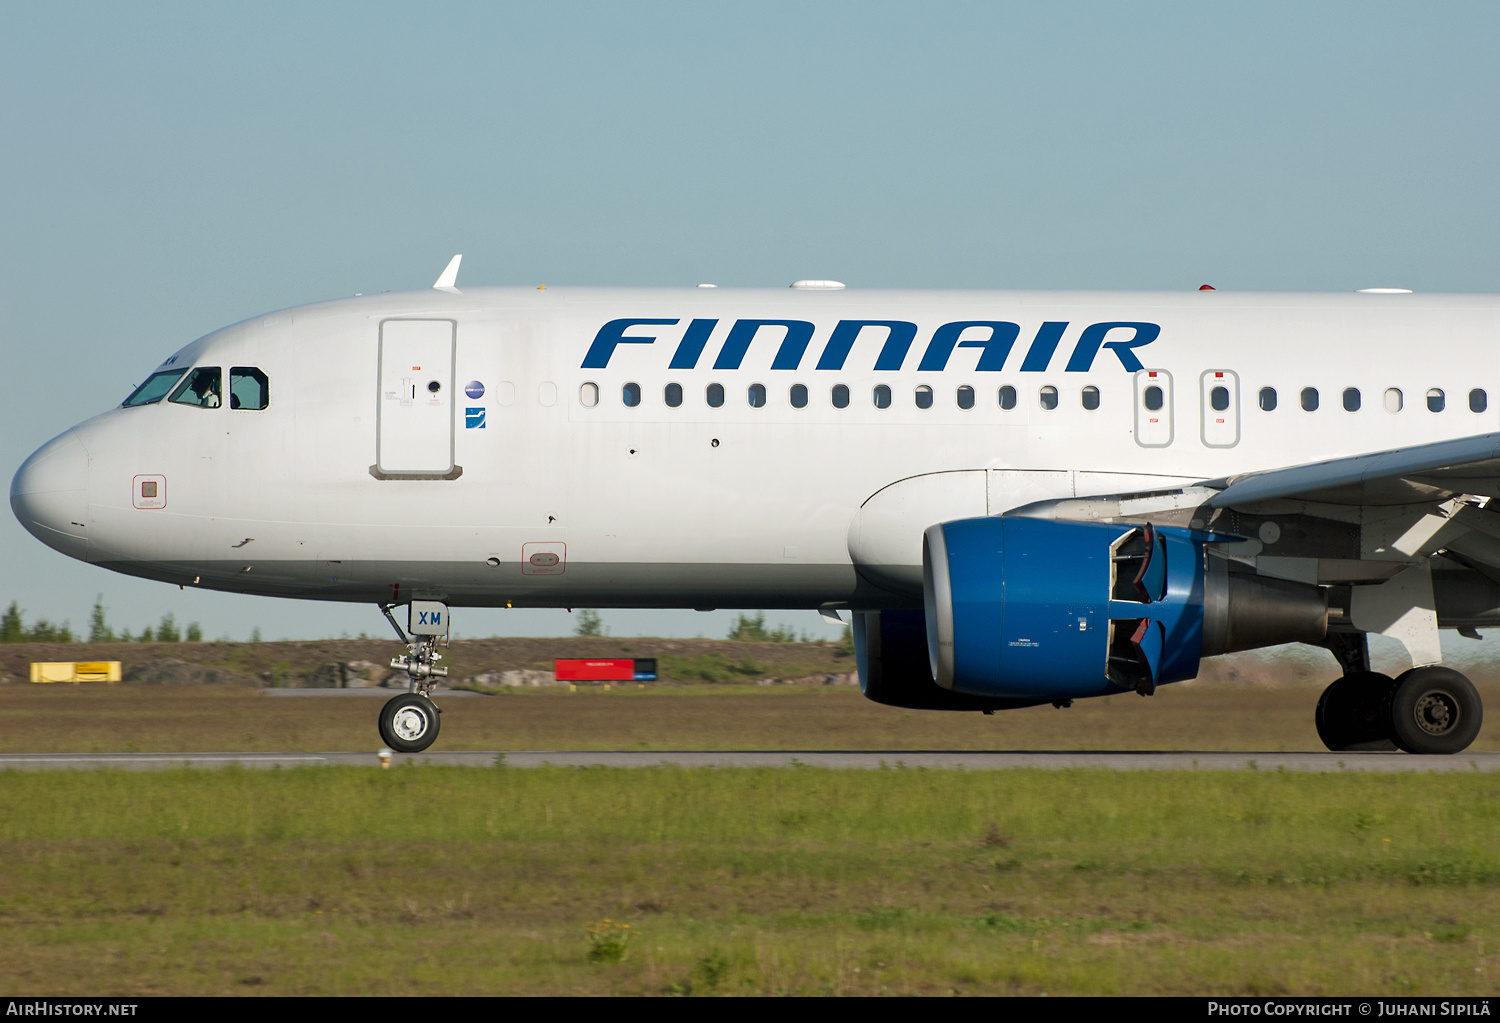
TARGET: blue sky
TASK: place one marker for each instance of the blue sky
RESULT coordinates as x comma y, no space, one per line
166,169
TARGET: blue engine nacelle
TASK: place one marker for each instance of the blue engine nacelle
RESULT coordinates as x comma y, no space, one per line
1036,609
890,651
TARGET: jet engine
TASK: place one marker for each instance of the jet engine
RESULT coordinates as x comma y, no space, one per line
1036,610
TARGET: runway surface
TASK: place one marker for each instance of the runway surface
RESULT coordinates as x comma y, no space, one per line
387,693
969,761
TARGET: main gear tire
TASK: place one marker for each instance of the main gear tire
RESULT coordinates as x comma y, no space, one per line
1435,711
1353,714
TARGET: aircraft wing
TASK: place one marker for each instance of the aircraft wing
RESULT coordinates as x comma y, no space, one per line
1385,524
1426,472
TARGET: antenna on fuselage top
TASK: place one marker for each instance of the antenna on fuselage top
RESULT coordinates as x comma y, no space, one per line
449,280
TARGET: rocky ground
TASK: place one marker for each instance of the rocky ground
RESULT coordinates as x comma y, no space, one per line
472,663
505,663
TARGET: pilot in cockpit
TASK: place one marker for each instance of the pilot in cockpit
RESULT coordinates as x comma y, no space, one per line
205,388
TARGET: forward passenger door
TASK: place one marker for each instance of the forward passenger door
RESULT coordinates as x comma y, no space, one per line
415,406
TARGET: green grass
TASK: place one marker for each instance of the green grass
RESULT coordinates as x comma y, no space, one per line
734,881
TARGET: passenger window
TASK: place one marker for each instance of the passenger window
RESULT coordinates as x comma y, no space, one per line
632,395
840,396
248,388
1268,399
882,396
1351,399
1218,399
1309,399
154,389
1436,401
1153,398
673,395
1394,401
1048,397
1478,400
715,395
588,395
924,396
201,388
1007,397
1091,398
757,396
799,396
966,396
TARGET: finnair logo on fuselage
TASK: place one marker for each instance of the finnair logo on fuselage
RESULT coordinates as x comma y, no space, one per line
996,338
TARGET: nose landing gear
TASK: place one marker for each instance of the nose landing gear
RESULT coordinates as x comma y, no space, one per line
409,723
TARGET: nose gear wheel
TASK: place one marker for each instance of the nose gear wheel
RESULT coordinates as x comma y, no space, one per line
409,723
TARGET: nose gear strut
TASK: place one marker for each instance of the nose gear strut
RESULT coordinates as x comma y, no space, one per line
419,661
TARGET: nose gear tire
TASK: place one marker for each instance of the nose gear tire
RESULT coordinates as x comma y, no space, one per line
409,723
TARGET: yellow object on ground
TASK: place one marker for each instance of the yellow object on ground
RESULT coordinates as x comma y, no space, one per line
75,671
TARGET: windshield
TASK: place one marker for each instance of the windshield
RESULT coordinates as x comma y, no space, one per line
154,389
201,388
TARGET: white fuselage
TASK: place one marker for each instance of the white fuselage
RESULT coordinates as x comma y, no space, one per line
356,482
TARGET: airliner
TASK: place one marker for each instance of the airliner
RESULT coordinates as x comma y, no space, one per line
1019,498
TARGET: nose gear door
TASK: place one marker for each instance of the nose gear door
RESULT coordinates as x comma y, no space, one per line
415,408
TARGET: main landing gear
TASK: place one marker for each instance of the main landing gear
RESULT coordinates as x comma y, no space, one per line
409,723
1430,710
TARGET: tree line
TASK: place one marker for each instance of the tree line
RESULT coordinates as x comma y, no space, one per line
13,629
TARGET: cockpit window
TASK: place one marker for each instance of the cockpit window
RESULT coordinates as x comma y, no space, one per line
248,388
154,389
201,388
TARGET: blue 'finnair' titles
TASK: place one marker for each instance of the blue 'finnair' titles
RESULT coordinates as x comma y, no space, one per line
995,338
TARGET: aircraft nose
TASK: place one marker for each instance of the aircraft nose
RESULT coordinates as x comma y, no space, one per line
50,497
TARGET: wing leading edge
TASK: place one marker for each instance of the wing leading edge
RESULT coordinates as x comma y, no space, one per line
1468,465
